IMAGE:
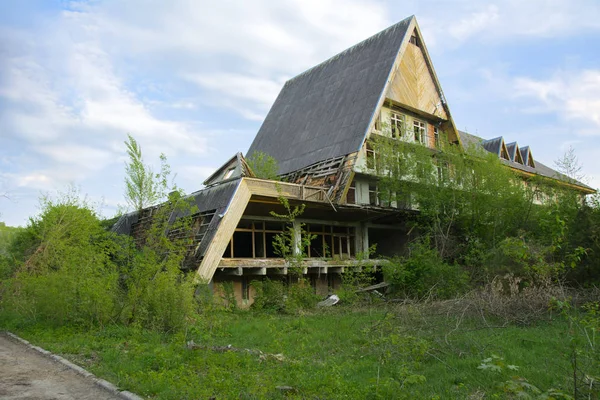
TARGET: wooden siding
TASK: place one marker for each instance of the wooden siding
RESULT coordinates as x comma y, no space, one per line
414,86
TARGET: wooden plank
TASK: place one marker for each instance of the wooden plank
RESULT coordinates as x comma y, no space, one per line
225,231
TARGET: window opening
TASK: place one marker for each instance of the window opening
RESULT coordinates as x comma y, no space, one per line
414,40
436,136
229,173
419,128
373,195
397,124
351,196
371,162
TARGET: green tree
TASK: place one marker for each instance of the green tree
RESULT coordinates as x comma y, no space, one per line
143,187
264,166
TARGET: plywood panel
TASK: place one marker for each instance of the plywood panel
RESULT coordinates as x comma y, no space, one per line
414,86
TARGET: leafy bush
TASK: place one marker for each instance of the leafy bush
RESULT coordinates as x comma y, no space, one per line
65,274
276,296
424,273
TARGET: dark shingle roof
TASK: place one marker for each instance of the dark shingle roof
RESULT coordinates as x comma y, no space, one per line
512,150
215,198
325,112
540,169
493,145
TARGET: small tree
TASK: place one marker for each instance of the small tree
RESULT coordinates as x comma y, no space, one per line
264,166
143,188
569,165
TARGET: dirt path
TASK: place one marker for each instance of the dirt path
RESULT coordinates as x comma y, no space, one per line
28,375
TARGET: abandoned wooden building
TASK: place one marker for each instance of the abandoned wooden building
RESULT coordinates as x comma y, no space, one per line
318,130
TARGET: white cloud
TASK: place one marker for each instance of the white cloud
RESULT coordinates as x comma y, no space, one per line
475,23
573,96
504,20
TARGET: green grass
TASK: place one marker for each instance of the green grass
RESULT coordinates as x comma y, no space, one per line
383,352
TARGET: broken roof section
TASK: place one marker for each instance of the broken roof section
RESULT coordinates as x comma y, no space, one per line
495,146
325,112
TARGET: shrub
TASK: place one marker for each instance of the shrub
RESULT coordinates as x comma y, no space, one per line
65,274
424,273
276,296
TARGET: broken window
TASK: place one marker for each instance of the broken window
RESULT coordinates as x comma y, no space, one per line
420,131
414,40
253,239
443,169
331,241
351,195
229,172
371,159
373,195
397,125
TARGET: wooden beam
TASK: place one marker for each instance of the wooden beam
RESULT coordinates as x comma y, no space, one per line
229,221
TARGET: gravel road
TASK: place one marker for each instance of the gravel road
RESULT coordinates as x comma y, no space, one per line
28,375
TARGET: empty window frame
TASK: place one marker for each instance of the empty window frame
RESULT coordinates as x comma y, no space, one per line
443,171
229,172
397,125
330,241
371,157
373,195
420,129
253,239
414,40
351,195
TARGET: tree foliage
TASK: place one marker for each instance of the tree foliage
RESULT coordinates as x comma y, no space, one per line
472,208
143,187
264,166
569,165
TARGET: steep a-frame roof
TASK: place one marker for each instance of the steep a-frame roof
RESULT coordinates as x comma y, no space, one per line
325,112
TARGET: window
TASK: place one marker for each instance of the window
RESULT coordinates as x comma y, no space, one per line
253,239
373,195
351,196
330,241
397,124
443,169
371,157
414,40
436,137
420,131
229,173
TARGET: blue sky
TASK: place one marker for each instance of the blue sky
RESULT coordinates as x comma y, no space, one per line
194,79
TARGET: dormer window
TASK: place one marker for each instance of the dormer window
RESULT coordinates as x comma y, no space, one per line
420,131
229,172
